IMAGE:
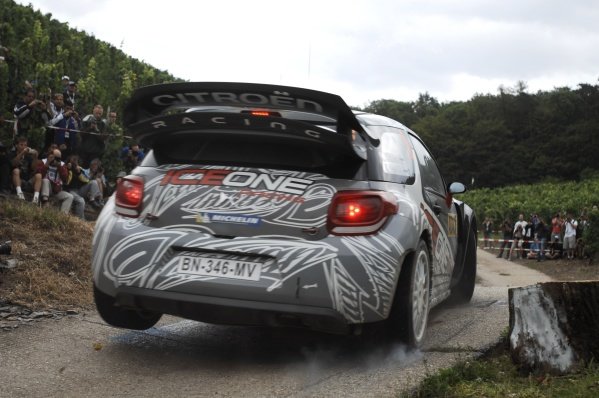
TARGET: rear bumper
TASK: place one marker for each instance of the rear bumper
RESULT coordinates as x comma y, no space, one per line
228,311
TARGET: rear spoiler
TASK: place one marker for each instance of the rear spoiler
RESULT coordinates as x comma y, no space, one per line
153,101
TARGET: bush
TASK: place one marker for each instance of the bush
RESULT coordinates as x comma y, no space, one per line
591,234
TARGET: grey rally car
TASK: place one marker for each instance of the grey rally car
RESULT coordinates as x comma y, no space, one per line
279,206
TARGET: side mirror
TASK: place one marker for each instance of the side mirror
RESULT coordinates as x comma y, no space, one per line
457,187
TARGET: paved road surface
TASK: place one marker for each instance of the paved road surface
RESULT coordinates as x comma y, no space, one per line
81,356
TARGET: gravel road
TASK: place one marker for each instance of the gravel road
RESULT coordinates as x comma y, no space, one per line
78,355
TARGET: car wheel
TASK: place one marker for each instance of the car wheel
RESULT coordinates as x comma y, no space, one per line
412,300
462,292
121,317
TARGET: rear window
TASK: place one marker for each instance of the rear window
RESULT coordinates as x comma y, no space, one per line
393,159
253,151
397,156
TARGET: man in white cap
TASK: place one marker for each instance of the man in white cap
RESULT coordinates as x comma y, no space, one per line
69,94
65,82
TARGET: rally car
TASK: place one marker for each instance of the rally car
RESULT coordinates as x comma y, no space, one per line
280,206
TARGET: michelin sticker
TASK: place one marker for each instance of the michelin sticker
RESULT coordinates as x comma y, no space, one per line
206,218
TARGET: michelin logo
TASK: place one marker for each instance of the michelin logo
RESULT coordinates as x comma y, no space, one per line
206,218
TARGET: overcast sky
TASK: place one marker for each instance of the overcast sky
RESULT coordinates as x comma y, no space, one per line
361,50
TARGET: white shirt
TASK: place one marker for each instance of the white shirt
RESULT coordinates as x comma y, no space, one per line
570,228
521,224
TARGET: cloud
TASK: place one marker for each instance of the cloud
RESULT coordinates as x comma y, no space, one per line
362,50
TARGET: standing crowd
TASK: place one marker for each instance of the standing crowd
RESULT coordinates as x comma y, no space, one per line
536,239
57,155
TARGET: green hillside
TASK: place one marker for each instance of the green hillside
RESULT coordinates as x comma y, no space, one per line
39,49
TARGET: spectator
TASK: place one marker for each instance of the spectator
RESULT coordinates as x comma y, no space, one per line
72,186
49,151
554,251
65,83
81,187
534,220
518,235
64,126
556,228
69,94
30,114
540,238
506,229
96,172
54,175
529,233
582,223
132,157
533,252
112,185
112,128
93,142
4,170
570,225
487,231
23,161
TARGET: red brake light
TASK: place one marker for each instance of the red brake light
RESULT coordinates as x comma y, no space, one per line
262,113
129,196
259,113
360,212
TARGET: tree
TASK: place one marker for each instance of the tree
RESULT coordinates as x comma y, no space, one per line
426,105
403,112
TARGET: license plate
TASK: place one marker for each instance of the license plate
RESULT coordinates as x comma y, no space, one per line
220,267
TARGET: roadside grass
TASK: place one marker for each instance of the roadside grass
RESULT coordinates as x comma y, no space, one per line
495,375
52,252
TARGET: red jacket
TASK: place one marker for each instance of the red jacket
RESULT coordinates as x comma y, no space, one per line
57,175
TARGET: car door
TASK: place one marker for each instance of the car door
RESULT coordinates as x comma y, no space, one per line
439,209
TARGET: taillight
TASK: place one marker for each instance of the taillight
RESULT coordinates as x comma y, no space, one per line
261,113
129,196
360,212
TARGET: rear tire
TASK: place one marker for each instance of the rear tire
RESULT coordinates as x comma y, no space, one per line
121,317
409,315
462,292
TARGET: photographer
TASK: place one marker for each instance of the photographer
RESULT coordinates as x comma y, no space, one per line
570,225
95,172
93,143
64,125
82,188
540,236
131,157
506,229
23,162
54,174
31,114
518,235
